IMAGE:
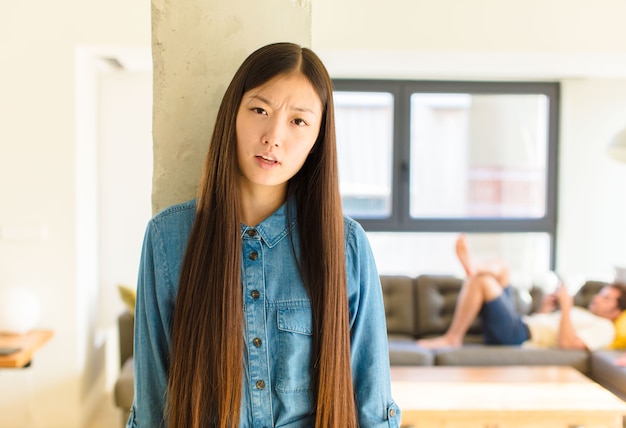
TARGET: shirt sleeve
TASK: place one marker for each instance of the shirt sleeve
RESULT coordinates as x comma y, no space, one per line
151,339
369,348
595,332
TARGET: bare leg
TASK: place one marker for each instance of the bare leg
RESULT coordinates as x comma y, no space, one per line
483,284
499,270
462,253
476,290
496,268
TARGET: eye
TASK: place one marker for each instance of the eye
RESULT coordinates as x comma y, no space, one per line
300,122
259,110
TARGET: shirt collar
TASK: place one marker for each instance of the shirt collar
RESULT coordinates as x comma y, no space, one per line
278,225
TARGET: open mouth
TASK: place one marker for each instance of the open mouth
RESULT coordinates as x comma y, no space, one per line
267,159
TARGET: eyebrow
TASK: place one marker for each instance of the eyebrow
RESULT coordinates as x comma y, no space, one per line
269,103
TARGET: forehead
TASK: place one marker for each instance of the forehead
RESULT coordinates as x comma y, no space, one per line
291,89
610,292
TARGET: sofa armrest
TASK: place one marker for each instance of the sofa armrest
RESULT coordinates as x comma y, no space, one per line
126,326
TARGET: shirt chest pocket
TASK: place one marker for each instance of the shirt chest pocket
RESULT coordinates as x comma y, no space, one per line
295,337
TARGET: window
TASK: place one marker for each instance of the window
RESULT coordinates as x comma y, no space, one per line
365,175
422,159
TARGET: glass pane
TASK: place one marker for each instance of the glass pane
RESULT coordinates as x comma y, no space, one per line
364,126
527,254
476,155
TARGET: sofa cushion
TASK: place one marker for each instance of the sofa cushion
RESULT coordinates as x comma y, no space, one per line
584,295
436,299
437,296
607,373
399,304
486,355
406,353
128,295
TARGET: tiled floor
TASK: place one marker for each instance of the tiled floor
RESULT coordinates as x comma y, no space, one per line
107,416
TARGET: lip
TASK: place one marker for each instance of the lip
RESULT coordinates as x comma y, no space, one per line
266,160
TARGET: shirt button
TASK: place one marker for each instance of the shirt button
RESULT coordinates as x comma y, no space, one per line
257,342
254,255
255,294
260,384
251,232
392,412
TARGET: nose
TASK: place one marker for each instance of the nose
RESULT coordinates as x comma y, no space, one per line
274,133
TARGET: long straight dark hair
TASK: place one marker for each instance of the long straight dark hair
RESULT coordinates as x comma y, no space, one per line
205,372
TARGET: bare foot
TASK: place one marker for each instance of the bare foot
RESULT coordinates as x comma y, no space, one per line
462,252
621,361
439,342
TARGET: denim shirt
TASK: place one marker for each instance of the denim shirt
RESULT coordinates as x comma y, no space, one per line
277,324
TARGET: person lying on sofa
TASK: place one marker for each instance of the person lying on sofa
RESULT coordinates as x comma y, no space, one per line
557,323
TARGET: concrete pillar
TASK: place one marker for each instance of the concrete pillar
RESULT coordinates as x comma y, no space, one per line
197,46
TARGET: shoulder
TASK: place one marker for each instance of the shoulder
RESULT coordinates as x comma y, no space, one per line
176,212
176,216
353,230
173,224
357,245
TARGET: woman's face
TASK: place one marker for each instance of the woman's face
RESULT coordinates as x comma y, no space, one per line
277,125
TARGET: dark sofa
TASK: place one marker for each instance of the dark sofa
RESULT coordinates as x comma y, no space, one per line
423,306
124,389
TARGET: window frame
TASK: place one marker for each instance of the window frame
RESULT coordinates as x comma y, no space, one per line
400,219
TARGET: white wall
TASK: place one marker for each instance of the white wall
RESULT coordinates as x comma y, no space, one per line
124,206
592,200
39,41
580,44
580,41
470,25
125,181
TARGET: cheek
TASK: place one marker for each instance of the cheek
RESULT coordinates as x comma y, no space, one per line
239,132
239,149
304,150
310,142
242,128
242,137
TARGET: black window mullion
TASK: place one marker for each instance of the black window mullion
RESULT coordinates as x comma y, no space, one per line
402,161
400,219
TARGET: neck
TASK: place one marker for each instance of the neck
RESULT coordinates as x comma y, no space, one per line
258,205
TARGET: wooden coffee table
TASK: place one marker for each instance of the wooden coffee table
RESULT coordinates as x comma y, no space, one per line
503,397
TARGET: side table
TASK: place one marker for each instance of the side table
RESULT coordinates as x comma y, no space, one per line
27,343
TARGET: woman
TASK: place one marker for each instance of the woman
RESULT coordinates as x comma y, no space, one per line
259,304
